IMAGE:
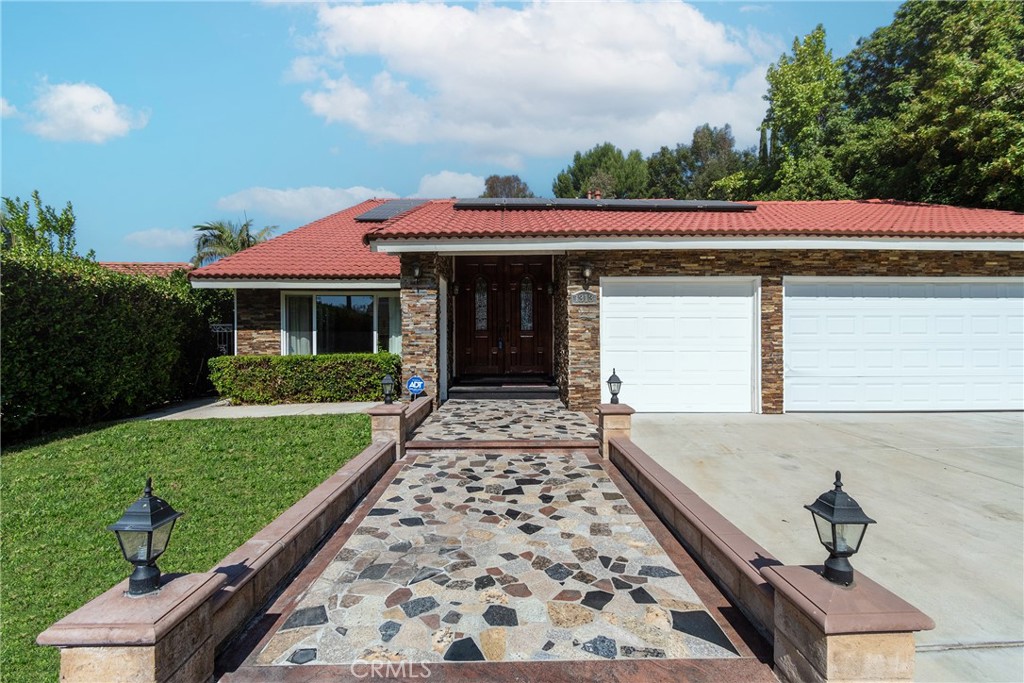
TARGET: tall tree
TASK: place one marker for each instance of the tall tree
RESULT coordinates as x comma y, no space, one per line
218,239
667,170
508,186
606,169
713,157
938,99
50,233
804,92
805,118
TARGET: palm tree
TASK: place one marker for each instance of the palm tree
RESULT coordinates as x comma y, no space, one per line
217,239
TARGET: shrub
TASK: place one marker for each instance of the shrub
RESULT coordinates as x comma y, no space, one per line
81,343
303,379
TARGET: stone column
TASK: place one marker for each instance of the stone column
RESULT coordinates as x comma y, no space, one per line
827,632
420,318
772,367
613,420
163,637
583,332
387,423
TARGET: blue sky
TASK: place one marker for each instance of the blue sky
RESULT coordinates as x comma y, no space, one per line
152,117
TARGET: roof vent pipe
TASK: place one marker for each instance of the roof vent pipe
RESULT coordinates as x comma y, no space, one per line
597,194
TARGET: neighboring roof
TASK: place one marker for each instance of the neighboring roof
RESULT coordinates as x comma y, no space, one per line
586,218
139,268
331,248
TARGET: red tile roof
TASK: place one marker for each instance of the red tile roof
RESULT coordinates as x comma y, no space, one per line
139,268
335,247
848,218
328,249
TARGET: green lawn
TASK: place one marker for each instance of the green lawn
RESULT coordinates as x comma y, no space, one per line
229,477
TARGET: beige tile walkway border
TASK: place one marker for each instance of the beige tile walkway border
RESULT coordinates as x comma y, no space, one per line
820,631
172,636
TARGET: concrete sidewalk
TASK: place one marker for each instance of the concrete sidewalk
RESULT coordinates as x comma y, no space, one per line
946,489
207,408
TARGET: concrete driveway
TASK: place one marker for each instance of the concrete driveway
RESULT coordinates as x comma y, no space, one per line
947,490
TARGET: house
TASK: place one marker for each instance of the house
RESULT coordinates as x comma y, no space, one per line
698,306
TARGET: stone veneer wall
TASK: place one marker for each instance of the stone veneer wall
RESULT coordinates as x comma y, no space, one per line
421,318
580,377
259,321
582,385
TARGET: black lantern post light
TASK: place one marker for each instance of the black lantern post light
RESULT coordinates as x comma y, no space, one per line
614,386
143,533
841,524
388,385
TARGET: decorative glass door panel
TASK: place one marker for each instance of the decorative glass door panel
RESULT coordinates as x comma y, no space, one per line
503,315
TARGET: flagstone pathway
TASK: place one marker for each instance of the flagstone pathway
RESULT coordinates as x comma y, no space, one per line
512,419
498,556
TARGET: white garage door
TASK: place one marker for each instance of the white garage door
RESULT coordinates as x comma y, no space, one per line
680,344
903,344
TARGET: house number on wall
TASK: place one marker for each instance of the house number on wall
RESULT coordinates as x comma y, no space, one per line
583,298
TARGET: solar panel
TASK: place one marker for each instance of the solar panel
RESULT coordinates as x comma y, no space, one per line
604,204
389,209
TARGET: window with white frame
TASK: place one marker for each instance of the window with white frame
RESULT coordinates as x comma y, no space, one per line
341,322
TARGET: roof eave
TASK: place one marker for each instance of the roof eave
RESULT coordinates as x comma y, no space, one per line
395,244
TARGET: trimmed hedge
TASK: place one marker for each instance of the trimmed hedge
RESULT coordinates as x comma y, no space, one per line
81,343
304,379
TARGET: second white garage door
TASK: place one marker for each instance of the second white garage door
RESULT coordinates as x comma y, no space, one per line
680,344
904,344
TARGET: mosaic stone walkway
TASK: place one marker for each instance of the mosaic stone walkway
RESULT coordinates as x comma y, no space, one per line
498,556
495,420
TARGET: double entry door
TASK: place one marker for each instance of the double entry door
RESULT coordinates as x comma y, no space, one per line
503,315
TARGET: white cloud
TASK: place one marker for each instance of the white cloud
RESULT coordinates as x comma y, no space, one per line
450,184
161,238
544,78
82,112
7,109
300,203
309,68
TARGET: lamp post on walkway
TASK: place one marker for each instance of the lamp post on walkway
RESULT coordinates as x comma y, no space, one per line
143,533
841,524
614,386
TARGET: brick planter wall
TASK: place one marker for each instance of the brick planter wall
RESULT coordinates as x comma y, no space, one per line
580,377
259,321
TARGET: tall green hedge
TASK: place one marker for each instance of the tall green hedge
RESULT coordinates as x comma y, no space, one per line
81,343
304,379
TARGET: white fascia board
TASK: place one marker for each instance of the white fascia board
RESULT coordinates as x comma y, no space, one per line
557,245
901,279
296,284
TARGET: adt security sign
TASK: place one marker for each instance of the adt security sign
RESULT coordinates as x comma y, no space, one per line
415,385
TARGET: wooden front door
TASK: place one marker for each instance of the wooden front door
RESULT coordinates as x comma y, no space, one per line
503,315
